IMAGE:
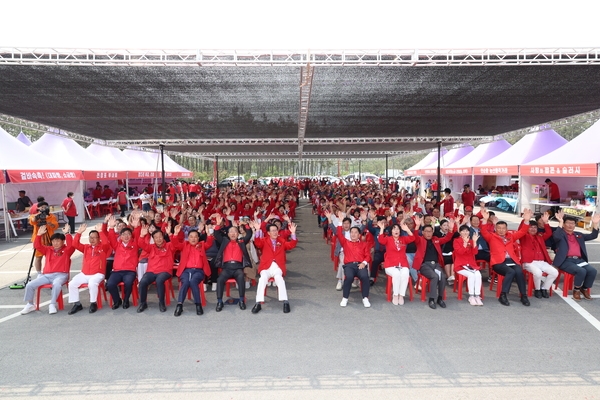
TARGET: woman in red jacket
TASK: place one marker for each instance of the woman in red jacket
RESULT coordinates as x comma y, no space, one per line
193,265
465,249
395,261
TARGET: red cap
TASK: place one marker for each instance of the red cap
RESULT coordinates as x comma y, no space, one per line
468,208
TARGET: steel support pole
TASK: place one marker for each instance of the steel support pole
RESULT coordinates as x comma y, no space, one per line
5,213
439,174
162,162
386,171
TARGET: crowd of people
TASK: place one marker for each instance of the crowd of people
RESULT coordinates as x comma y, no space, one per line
211,238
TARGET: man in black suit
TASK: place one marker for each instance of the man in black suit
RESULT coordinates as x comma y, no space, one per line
232,258
571,254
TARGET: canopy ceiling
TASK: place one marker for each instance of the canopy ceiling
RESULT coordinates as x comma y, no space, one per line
236,110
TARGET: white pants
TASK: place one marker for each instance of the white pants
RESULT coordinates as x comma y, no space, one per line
340,270
399,277
273,272
92,280
141,270
537,268
473,281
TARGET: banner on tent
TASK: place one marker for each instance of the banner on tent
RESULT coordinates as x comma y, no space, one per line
412,172
170,175
43,176
93,175
457,171
566,170
497,170
2,178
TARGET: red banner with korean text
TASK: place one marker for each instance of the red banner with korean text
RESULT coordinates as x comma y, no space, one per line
457,171
2,179
32,176
103,175
514,170
566,170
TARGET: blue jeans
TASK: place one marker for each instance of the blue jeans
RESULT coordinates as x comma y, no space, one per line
191,278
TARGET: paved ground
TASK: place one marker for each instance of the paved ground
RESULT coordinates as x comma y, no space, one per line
319,350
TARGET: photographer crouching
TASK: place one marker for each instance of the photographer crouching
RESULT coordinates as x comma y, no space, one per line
37,220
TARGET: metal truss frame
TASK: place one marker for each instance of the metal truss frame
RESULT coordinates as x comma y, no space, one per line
300,58
294,154
295,141
306,77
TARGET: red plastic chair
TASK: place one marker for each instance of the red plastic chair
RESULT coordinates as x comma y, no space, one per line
389,289
460,282
59,300
228,283
101,290
530,284
134,293
168,290
568,282
424,283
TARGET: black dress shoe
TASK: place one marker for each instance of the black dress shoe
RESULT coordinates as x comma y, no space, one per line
219,306
432,304
162,307
199,310
503,300
537,294
441,302
117,304
371,282
125,304
242,305
76,307
93,308
286,307
256,308
525,300
545,294
178,310
142,307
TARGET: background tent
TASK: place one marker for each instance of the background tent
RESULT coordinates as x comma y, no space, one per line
572,167
461,171
24,139
433,156
452,156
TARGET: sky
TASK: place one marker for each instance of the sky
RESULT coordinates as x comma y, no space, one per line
300,25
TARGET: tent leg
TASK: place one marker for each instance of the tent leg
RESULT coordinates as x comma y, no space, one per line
5,213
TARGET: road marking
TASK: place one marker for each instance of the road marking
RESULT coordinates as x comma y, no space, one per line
589,317
20,272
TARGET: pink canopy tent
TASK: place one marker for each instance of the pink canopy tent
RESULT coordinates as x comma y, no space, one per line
450,157
24,139
152,160
415,169
530,147
572,167
460,172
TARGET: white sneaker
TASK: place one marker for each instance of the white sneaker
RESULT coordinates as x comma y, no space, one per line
450,279
344,302
478,300
28,308
338,286
354,284
274,284
205,288
400,300
214,287
52,309
366,302
472,301
247,285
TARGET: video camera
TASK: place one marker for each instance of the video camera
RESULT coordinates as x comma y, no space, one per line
41,217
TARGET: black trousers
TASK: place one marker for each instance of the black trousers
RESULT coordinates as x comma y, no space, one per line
510,273
148,279
584,276
377,260
351,270
227,273
116,277
71,224
436,284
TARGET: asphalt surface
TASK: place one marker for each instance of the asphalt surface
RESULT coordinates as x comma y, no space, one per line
319,350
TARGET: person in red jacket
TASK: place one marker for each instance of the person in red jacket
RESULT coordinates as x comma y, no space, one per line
160,266
56,270
535,257
395,261
125,262
70,210
468,197
464,251
357,256
429,261
193,265
93,267
503,256
272,262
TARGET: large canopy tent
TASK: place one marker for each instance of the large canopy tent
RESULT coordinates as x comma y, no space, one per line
416,169
294,104
572,167
452,156
461,171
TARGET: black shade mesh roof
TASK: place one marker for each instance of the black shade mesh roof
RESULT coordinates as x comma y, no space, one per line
229,102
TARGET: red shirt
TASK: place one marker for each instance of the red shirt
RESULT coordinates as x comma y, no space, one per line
462,255
160,259
94,257
193,256
68,206
353,251
574,248
395,250
233,252
468,199
56,260
122,196
126,255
